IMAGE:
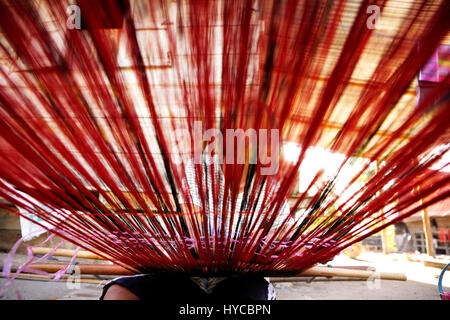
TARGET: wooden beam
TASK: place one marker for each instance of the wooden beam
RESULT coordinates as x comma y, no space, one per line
31,276
384,241
427,232
106,269
435,263
68,253
384,237
333,272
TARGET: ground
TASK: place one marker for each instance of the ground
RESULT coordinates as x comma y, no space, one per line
421,284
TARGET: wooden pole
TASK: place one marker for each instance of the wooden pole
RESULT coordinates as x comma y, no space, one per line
67,253
107,269
31,276
427,232
384,236
384,241
305,279
333,272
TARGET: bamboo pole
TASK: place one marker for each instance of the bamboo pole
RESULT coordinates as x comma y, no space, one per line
334,272
315,279
31,276
384,241
384,236
89,255
68,253
427,232
106,269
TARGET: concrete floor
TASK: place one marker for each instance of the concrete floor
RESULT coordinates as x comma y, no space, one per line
357,290
421,285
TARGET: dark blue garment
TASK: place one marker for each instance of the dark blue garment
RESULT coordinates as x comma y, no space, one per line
164,286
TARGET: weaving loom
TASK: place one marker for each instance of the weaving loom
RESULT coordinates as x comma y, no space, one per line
107,129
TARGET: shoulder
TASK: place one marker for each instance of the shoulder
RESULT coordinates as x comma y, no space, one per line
118,292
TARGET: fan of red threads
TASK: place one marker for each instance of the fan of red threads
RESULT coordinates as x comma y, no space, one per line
92,107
